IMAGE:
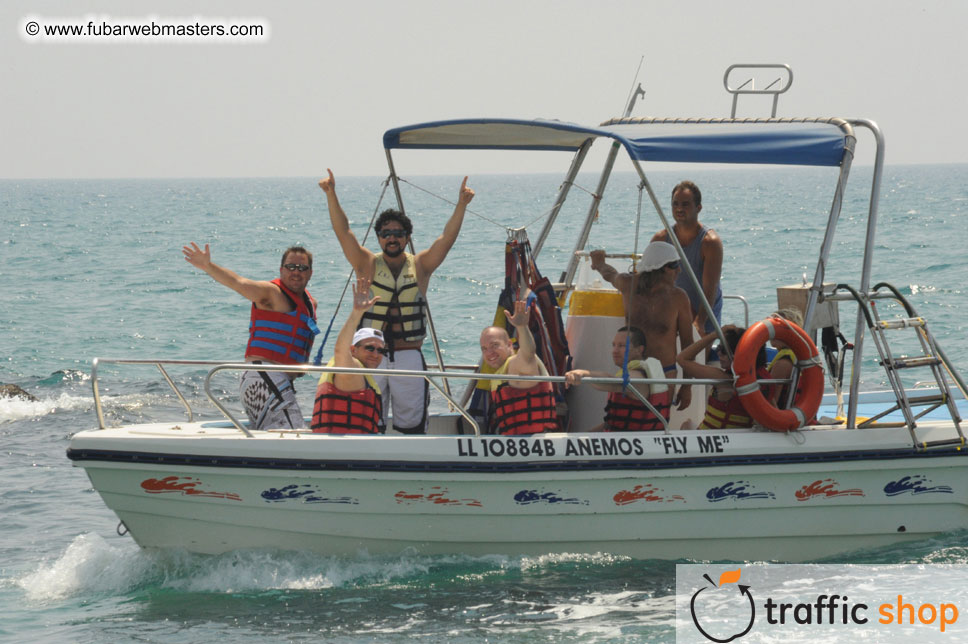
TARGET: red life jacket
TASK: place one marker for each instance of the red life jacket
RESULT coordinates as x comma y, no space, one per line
524,411
346,412
284,338
726,414
627,414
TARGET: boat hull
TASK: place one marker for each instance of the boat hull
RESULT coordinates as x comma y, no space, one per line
738,495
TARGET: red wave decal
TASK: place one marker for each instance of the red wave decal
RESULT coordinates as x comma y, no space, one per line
437,498
648,493
826,488
188,487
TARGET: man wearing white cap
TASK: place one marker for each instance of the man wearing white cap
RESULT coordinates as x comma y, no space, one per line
656,305
348,403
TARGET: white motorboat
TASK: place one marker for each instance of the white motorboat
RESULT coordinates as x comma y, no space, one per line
892,467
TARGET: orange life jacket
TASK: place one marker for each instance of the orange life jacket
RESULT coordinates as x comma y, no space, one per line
524,411
284,338
727,414
347,412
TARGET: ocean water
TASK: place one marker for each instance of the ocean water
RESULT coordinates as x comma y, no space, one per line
94,268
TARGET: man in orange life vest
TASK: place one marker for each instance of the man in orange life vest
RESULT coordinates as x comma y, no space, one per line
349,403
624,412
282,325
401,280
517,406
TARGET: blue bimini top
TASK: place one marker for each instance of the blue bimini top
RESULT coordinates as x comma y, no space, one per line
802,141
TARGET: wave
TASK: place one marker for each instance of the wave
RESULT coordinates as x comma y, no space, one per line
93,565
12,409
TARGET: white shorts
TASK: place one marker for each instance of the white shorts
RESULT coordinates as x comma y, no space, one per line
270,400
408,396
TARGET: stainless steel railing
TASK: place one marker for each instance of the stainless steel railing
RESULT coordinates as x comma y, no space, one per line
429,376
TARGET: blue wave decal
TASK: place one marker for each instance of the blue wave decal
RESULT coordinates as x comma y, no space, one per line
737,490
311,494
527,497
916,484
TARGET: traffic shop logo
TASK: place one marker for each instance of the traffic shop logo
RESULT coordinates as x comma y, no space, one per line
729,601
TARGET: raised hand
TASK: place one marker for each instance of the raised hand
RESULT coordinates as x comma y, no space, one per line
361,295
328,185
465,195
196,256
520,316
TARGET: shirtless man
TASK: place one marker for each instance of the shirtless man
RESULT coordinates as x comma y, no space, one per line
703,249
282,324
656,305
400,281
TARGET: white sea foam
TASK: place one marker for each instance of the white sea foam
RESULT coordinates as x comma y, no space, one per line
20,408
90,564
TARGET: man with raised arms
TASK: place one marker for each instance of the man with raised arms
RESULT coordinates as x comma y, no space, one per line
282,325
704,252
655,305
400,281
517,406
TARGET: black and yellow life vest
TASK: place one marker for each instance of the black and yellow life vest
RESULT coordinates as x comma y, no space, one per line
402,294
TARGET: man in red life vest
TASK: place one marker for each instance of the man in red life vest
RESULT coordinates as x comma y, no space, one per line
400,279
349,403
517,406
624,412
282,325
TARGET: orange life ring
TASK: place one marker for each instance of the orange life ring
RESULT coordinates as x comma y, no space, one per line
810,387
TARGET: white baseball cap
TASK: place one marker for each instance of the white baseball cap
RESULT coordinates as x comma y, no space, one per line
366,333
657,255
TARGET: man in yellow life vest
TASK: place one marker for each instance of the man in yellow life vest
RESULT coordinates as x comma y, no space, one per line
517,406
348,403
400,281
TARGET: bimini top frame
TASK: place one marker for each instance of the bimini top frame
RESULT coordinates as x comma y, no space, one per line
778,141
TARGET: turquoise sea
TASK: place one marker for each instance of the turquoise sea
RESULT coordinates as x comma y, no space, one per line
94,268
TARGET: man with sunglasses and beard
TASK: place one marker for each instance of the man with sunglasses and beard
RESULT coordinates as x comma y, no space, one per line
399,279
282,325
348,403
656,305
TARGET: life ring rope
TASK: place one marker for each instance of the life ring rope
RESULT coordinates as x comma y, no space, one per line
809,390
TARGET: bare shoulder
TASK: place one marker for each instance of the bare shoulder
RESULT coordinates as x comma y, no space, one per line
662,235
712,238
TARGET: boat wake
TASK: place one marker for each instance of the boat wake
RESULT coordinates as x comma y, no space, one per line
92,565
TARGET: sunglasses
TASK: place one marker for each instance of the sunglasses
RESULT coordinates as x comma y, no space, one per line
672,265
302,268
371,348
398,233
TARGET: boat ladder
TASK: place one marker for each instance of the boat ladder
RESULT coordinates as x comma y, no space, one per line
930,357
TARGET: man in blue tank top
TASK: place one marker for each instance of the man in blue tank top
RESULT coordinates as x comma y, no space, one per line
703,249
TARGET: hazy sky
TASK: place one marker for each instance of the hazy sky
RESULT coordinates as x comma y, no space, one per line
332,76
